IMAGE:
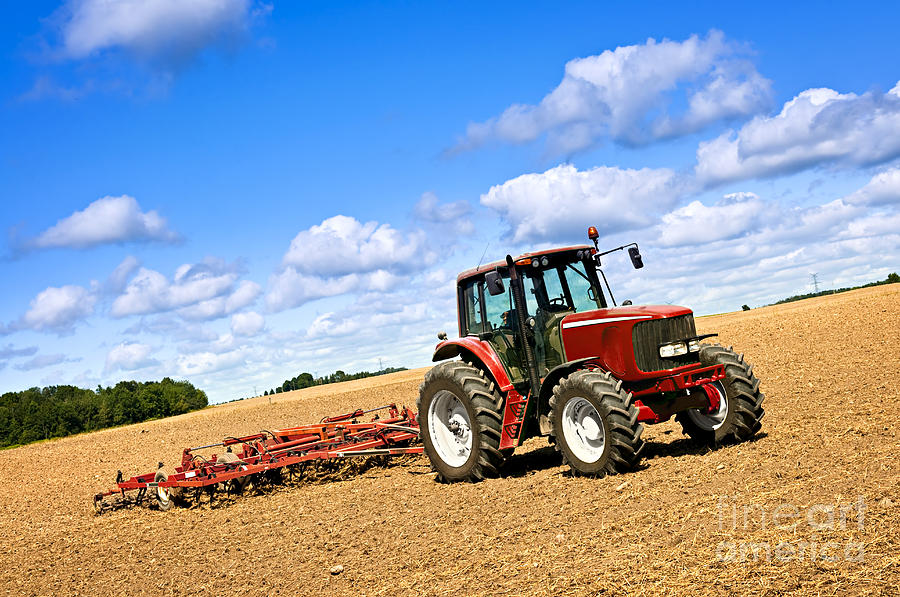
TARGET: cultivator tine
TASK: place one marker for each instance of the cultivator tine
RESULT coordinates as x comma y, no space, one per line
270,458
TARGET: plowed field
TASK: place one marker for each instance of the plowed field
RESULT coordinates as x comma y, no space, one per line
809,506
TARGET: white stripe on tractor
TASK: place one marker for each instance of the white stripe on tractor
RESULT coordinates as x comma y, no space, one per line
578,324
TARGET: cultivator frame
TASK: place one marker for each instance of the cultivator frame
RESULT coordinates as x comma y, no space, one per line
266,454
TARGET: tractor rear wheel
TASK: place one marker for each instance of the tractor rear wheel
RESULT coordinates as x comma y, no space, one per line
460,420
740,402
594,424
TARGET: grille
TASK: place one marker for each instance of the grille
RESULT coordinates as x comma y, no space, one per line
648,335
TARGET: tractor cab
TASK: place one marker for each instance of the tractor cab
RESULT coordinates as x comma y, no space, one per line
556,283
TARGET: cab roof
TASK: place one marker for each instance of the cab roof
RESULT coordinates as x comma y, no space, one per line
475,271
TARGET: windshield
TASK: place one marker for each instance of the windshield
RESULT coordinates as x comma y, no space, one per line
566,287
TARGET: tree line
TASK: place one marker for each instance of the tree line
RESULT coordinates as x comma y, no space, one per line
57,411
892,278
306,380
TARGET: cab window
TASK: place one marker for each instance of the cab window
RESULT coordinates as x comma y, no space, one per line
472,306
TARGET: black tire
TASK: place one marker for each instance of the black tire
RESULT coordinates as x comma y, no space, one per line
613,414
166,497
476,394
743,399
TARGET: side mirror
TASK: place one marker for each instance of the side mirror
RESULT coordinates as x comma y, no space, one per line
635,255
494,283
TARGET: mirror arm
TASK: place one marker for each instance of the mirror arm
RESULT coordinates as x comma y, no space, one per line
599,255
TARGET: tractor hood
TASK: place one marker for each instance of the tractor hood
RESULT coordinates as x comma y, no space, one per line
619,337
628,313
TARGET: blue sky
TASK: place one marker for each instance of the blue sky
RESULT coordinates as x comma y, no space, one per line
234,191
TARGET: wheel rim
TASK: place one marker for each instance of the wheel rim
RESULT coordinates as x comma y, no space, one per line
711,421
450,428
163,494
583,430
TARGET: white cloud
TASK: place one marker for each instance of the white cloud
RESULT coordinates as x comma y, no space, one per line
343,255
452,218
289,288
245,294
561,202
57,309
164,31
356,320
695,223
626,94
117,280
209,362
247,324
818,127
343,245
107,220
129,356
151,292
883,189
45,360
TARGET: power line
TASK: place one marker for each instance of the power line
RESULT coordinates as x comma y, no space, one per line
815,279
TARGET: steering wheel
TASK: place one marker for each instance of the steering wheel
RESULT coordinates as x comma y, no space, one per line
559,302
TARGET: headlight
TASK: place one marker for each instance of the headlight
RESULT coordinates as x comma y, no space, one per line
673,350
694,346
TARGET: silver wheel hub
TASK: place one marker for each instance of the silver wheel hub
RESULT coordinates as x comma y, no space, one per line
711,421
450,428
583,430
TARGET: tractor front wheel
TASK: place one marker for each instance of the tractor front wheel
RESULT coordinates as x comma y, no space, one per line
594,424
460,420
740,402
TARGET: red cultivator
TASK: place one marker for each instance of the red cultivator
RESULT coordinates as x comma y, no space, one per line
265,456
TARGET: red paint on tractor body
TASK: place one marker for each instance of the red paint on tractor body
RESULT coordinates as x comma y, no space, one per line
607,333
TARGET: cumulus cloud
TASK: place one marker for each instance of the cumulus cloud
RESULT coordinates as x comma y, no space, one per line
344,245
163,32
883,189
450,217
561,202
343,255
118,279
343,324
696,223
109,220
149,291
818,127
129,356
628,94
45,360
247,324
221,306
209,362
57,310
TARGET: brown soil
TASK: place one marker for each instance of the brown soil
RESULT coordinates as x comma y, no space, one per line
830,371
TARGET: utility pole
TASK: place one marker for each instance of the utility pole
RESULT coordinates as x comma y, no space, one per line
380,367
815,279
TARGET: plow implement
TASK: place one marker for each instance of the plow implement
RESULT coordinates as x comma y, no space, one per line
268,456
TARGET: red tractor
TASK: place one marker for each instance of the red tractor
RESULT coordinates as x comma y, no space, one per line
542,352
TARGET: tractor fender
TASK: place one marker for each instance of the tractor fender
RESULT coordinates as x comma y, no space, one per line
471,347
553,378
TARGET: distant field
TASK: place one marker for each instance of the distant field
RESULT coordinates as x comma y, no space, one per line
830,369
